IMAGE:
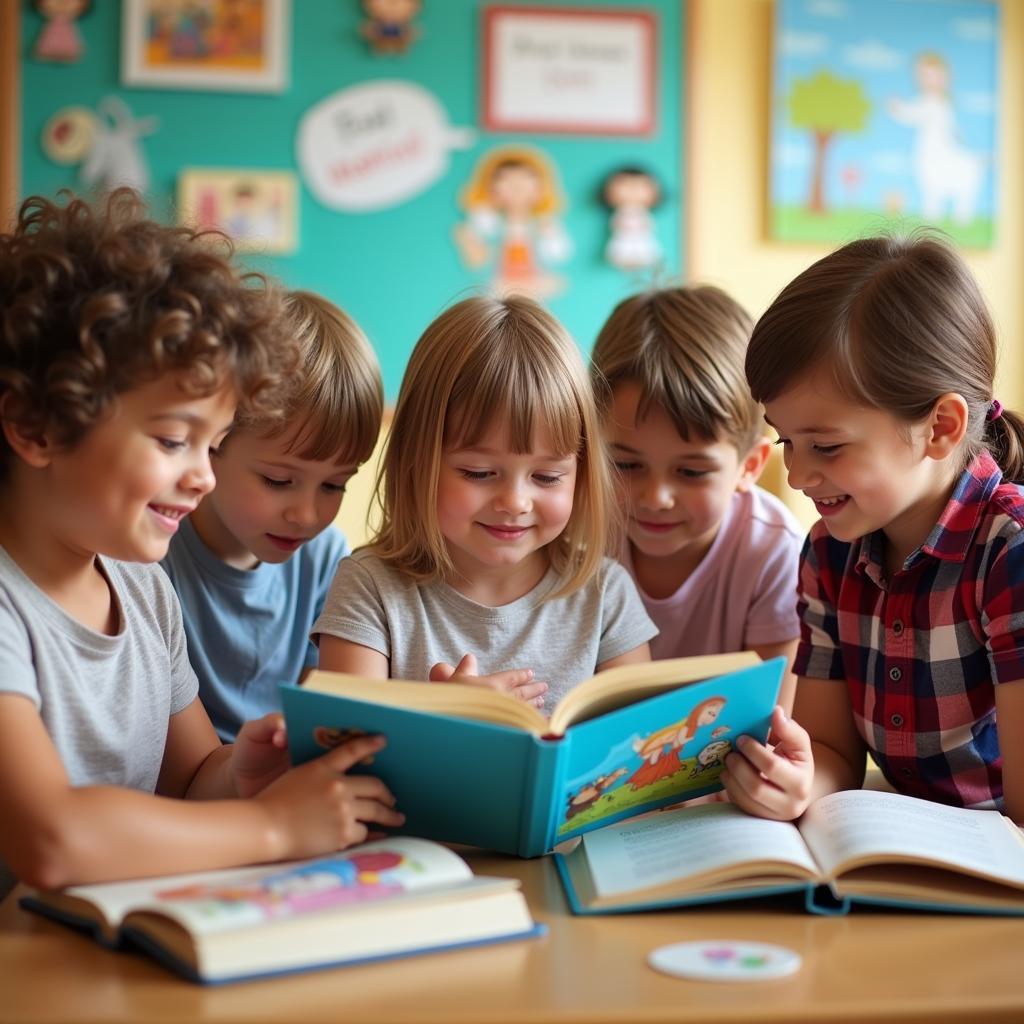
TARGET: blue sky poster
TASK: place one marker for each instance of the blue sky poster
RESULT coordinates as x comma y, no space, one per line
884,113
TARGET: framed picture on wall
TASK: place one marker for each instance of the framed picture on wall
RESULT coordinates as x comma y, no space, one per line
885,114
569,70
214,45
255,208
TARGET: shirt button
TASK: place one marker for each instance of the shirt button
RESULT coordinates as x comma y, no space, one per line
896,720
895,674
897,627
906,771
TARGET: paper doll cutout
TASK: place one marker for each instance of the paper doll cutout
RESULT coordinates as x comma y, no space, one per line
60,39
630,193
389,28
511,201
116,158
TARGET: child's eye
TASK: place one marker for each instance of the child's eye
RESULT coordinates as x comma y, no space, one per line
335,488
827,449
693,474
626,467
475,474
274,483
782,440
547,479
170,444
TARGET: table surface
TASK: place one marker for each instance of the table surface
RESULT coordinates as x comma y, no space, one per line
868,966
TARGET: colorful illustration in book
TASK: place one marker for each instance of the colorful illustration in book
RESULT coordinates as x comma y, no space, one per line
326,883
631,193
328,738
661,750
710,757
586,796
512,201
388,27
60,39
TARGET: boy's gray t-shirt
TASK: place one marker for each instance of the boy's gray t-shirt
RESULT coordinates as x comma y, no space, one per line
106,701
417,625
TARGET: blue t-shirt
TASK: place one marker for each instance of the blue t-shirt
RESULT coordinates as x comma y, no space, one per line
248,629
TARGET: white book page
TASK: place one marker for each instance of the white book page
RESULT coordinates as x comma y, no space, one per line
212,901
678,844
858,823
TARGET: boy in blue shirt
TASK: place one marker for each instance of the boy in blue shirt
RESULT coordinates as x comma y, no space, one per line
253,563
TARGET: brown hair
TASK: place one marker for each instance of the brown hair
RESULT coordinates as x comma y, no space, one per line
684,347
337,393
896,322
94,302
481,362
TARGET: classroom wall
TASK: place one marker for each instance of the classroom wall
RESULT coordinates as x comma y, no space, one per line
727,143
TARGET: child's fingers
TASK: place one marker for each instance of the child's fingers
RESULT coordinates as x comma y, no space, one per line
375,811
530,691
351,752
263,730
441,672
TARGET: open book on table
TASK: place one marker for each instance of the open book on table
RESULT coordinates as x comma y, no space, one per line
469,765
859,846
389,898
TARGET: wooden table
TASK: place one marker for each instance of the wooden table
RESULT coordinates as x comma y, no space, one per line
865,967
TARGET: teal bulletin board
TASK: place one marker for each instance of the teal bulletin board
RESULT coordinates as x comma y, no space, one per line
392,269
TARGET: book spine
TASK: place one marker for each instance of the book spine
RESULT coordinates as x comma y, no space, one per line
822,900
540,792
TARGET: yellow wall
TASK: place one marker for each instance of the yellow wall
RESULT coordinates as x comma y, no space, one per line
727,156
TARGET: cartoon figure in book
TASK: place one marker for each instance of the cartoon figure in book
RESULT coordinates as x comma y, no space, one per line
328,738
711,757
586,796
317,886
661,749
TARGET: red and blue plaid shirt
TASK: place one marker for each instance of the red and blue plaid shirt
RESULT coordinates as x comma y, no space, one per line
923,650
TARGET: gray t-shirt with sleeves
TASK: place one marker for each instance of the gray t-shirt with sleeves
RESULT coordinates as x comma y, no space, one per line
105,700
417,625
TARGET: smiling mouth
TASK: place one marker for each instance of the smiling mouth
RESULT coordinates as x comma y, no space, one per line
505,532
170,513
829,506
655,527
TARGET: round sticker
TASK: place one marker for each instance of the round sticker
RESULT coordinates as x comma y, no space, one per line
725,960
68,135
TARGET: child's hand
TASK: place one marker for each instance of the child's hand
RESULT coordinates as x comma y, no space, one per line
316,808
260,754
518,682
772,781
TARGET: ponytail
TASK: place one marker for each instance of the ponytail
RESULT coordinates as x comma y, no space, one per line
1004,436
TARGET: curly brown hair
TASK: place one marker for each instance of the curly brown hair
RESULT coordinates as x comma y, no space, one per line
95,301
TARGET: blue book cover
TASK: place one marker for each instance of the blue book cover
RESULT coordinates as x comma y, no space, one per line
629,740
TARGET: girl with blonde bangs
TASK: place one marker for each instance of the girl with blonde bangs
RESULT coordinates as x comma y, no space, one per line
495,505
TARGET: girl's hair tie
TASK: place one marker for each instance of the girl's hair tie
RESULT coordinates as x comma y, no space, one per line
995,410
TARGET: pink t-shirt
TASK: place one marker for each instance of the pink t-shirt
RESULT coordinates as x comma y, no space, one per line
743,594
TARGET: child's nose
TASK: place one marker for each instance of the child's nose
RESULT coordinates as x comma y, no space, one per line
801,474
199,477
513,498
302,511
656,494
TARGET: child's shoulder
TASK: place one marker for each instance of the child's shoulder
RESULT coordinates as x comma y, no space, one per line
765,511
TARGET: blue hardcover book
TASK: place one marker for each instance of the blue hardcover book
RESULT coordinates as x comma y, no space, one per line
849,848
468,765
386,899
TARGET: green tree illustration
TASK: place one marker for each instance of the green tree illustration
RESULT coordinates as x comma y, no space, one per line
826,105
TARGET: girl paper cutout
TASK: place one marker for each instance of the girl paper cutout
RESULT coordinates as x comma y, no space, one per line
512,201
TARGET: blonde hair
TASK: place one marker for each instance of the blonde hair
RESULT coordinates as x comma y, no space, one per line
684,348
337,394
485,361
478,191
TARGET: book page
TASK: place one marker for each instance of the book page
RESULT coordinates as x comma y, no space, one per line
865,826
213,901
687,842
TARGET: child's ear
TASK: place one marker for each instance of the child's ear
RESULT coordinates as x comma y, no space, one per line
753,463
946,425
36,451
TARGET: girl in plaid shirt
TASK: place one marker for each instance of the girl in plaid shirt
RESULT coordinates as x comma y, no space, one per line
876,368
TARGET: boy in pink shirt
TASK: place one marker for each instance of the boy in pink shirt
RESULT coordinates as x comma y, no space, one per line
713,555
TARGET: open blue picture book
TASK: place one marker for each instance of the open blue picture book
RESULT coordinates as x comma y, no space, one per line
469,765
858,846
